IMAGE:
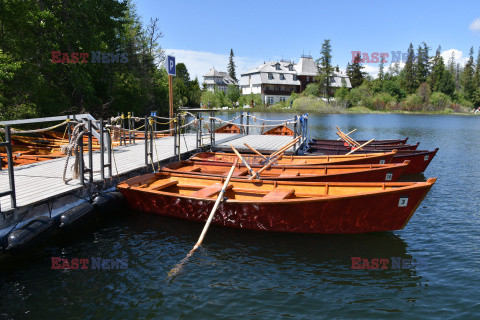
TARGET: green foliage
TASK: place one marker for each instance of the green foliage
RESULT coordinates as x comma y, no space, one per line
440,100
233,93
381,100
325,68
246,100
412,103
341,94
410,71
355,73
394,89
231,66
311,90
308,103
360,96
424,93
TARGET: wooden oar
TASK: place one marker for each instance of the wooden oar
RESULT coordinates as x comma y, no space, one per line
252,173
360,147
347,134
347,138
285,147
179,266
255,151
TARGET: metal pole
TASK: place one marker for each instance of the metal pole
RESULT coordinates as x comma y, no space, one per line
102,151
82,164
146,141
295,132
197,144
109,150
151,139
248,122
133,126
129,128
179,131
8,140
170,99
212,130
174,136
242,129
90,152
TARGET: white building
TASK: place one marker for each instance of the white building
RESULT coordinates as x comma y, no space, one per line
217,80
275,81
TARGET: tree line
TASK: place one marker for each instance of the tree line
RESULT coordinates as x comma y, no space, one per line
91,56
425,83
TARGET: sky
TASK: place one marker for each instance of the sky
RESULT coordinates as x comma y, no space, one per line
201,33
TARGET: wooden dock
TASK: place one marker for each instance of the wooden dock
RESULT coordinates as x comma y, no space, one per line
39,182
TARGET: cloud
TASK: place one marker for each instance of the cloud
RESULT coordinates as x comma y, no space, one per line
459,58
475,25
200,62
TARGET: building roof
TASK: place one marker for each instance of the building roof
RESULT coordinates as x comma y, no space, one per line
306,66
218,78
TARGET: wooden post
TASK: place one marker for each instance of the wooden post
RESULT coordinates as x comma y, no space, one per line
170,99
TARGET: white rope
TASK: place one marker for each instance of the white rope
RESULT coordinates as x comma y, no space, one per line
72,149
253,125
267,120
36,130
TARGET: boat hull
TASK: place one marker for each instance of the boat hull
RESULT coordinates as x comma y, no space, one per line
357,214
376,142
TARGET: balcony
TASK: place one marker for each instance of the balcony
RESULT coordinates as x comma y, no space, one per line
280,92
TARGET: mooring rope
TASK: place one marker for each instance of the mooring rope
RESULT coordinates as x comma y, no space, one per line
18,131
72,148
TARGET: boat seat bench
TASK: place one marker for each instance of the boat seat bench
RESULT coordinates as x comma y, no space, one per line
162,184
278,194
210,190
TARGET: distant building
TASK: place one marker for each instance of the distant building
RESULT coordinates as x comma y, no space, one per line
218,80
275,81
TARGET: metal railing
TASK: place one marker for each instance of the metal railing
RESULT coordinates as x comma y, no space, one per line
11,177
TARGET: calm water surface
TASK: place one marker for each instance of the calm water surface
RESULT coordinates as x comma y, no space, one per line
254,275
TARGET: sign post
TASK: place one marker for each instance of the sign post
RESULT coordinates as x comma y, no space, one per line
170,66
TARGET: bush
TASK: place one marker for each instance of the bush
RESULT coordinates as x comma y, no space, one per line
245,100
424,93
360,95
412,103
439,101
381,100
341,94
308,103
311,90
394,89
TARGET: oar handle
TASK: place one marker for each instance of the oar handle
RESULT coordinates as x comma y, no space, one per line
255,151
360,147
252,173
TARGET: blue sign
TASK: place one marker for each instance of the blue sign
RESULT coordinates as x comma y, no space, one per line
170,65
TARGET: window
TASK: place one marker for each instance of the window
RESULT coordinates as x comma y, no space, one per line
270,100
270,76
308,78
332,80
290,68
282,76
295,77
277,66
282,99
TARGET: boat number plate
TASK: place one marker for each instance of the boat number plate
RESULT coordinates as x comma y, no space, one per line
382,161
403,202
425,158
389,176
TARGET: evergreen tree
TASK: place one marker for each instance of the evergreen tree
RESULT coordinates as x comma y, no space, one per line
355,73
422,68
477,70
231,66
410,71
446,84
381,74
325,69
452,63
467,78
438,69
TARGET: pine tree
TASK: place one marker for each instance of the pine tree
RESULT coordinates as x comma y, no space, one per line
438,69
231,66
381,73
477,70
410,72
451,63
325,68
422,64
467,78
355,73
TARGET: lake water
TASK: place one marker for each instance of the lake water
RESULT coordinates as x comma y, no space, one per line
254,275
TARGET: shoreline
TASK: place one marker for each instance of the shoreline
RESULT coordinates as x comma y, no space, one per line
354,110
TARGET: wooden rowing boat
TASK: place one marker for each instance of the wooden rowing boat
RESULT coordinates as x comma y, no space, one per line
419,159
370,158
281,130
282,206
333,173
375,142
375,147
228,128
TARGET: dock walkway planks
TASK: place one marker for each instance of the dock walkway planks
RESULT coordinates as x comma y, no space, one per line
43,180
